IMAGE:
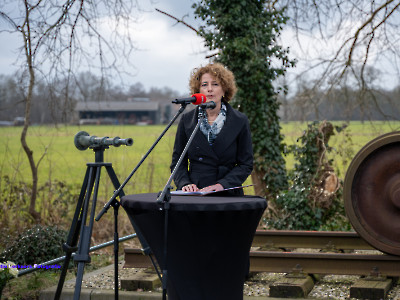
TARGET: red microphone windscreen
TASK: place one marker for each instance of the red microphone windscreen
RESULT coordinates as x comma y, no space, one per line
200,98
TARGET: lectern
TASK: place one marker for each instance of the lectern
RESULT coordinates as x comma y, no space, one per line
209,240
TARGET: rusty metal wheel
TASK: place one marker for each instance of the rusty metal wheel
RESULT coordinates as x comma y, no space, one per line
372,193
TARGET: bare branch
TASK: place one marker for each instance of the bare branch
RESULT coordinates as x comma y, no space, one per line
178,20
9,20
369,35
356,35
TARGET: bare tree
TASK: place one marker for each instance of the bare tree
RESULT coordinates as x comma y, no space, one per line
354,37
58,38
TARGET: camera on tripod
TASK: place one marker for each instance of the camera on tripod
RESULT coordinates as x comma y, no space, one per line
79,236
83,141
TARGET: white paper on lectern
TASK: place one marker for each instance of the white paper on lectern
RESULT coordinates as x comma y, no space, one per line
199,193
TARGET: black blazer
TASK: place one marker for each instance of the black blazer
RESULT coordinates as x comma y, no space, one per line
229,161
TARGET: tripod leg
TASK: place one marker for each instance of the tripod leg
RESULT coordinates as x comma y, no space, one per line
82,255
70,245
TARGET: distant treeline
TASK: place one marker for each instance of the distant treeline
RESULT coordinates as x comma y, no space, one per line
342,104
55,103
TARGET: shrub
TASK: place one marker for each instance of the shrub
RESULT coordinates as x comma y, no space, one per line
36,245
55,202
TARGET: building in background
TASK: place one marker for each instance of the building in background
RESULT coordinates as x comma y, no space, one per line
141,111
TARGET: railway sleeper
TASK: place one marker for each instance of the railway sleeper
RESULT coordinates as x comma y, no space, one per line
145,279
296,284
373,287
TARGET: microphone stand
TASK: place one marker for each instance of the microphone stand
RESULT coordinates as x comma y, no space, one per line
165,197
114,203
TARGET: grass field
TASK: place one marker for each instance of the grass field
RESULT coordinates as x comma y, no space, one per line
64,162
61,160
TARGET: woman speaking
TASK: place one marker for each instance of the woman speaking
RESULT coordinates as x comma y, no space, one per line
220,155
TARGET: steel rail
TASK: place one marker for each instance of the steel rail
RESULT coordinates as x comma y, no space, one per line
308,263
289,239
325,263
313,263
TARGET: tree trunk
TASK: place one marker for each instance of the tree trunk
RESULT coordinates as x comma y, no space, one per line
28,101
259,184
28,151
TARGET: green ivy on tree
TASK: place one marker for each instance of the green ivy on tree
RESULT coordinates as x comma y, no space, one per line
244,33
314,199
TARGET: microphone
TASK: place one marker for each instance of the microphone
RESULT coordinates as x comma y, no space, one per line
196,99
206,105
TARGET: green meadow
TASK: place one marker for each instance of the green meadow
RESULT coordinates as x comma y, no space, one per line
345,144
59,159
62,168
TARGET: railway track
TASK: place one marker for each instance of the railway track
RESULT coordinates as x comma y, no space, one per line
303,254
277,251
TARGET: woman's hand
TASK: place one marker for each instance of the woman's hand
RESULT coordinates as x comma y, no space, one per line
216,187
190,188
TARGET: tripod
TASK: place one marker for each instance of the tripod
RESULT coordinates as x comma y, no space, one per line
79,227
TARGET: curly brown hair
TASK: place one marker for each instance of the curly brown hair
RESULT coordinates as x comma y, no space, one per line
224,76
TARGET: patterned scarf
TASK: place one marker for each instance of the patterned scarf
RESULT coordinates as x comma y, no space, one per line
211,131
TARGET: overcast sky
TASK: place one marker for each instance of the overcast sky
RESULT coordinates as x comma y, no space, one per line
169,51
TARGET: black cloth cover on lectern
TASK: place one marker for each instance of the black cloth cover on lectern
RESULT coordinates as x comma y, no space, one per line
209,240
